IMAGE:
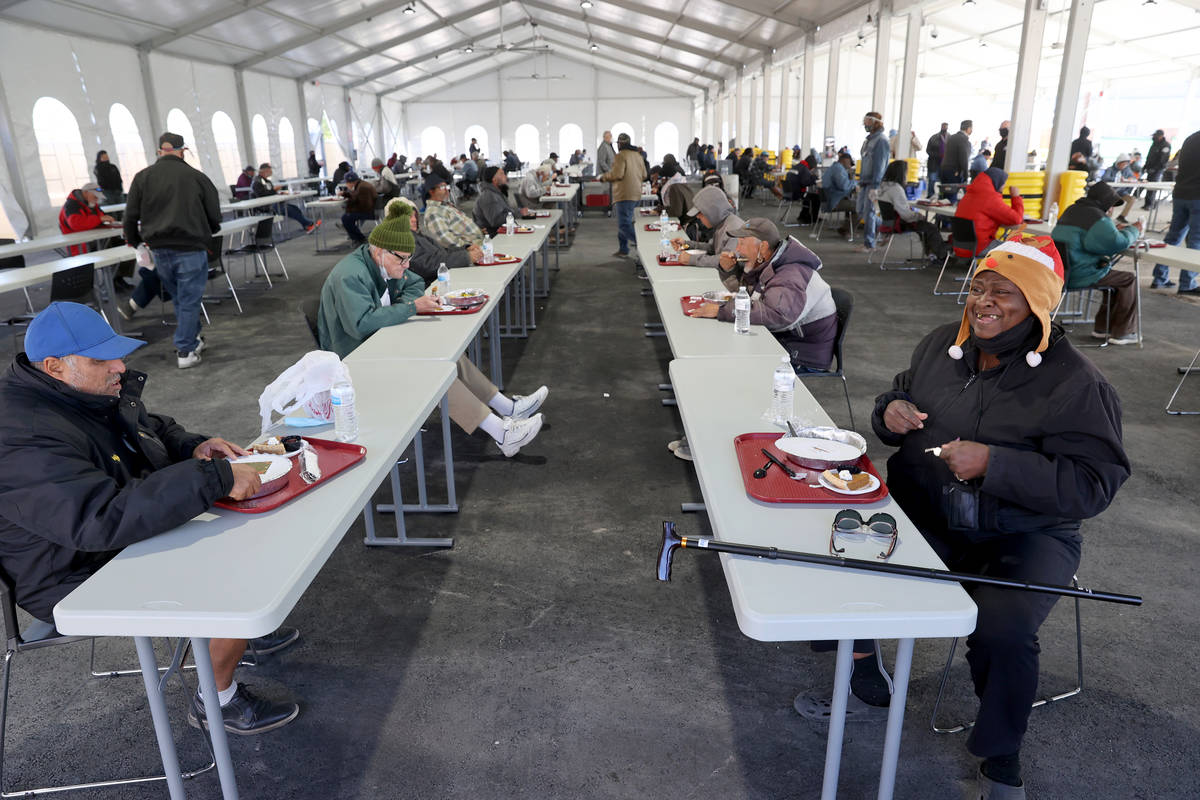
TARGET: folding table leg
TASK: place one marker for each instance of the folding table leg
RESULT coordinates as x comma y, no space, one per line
895,723
162,722
837,718
212,710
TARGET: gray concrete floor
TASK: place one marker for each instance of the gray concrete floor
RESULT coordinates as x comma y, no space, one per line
540,659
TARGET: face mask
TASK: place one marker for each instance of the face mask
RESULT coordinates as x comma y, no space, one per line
868,127
1003,132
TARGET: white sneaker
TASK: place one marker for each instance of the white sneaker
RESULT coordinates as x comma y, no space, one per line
183,361
128,309
200,345
518,433
1129,338
525,406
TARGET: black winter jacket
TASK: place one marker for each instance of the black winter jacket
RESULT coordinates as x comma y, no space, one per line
177,206
1053,434
429,255
83,475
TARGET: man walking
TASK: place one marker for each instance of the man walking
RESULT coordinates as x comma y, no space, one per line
875,152
627,174
174,208
935,149
1156,162
957,160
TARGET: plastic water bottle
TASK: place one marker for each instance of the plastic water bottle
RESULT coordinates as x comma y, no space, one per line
1052,218
664,247
489,251
664,221
510,224
741,312
443,280
784,384
345,416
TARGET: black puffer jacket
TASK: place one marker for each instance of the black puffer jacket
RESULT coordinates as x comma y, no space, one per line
83,475
1053,434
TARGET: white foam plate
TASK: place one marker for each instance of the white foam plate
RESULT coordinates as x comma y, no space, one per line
279,465
872,486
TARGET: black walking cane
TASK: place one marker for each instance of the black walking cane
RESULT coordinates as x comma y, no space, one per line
672,541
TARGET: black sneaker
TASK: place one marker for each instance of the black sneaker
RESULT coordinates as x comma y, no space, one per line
246,714
275,641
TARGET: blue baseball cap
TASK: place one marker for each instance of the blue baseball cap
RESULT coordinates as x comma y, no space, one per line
71,329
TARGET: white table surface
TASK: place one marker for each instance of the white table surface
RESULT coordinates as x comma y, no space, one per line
38,273
231,575
780,601
561,194
44,243
696,337
260,202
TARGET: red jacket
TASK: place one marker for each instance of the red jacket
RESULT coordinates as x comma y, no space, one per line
76,215
983,204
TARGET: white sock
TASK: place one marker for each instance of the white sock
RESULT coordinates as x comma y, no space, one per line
502,405
494,427
223,695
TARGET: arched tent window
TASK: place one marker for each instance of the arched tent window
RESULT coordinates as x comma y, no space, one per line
287,149
623,127
130,153
334,154
225,139
479,133
261,139
178,122
527,145
570,139
60,149
666,140
433,142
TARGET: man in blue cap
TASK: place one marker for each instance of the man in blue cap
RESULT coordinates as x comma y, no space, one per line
86,470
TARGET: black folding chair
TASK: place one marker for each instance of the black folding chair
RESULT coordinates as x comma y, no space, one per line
1082,312
962,235
843,301
892,227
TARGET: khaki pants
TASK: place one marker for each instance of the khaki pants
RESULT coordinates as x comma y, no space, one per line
469,396
1122,313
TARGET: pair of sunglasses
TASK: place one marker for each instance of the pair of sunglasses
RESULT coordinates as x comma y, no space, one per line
849,525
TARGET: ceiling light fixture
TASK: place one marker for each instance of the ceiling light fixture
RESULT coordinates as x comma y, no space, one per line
410,9
585,4
469,49
968,2
593,46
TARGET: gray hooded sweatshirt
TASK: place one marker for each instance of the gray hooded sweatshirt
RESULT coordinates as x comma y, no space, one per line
714,204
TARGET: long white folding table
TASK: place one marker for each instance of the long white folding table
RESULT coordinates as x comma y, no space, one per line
231,575
323,207
565,198
43,243
785,601
255,203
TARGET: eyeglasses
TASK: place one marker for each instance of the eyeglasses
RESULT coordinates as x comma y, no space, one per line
849,525
403,258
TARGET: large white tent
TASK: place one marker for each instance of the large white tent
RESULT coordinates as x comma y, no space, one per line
263,80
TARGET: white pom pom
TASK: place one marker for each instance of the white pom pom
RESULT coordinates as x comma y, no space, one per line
1032,358
955,352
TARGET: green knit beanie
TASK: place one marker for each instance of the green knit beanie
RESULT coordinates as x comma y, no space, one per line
394,232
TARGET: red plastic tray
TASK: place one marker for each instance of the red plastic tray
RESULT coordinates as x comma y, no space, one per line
648,212
779,488
655,226
498,258
333,458
669,262
690,303
444,313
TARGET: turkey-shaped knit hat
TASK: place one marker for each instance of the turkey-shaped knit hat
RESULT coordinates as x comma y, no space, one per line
1032,263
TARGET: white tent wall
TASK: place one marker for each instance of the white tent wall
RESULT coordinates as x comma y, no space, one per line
590,97
276,98
328,99
393,127
106,74
365,121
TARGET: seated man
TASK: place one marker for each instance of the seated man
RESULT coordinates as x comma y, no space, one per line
1121,171
576,158
470,176
535,184
711,206
88,470
495,202
839,185
980,162
82,212
360,206
430,255
759,169
444,222
386,185
787,295
512,162
263,187
983,204
373,288
1088,238
241,189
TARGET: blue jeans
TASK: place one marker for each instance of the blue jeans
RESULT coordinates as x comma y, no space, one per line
184,274
1185,221
866,209
149,288
930,181
350,223
295,213
625,232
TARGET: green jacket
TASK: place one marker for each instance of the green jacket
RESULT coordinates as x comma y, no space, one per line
1089,238
350,301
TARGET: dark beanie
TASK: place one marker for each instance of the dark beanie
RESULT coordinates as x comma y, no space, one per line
490,173
395,232
433,181
1104,195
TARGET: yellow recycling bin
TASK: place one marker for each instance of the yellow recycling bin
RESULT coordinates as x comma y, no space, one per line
786,157
1070,187
914,170
1032,186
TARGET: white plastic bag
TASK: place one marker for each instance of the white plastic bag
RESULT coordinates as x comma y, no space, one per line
144,259
304,385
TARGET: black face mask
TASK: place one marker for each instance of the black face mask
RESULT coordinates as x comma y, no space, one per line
1003,132
1009,342
504,190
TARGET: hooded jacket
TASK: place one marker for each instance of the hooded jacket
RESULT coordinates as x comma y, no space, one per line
1053,434
176,205
76,215
84,475
492,208
983,203
793,302
109,176
627,175
717,209
1187,181
351,301
430,255
677,199
1087,236
837,184
935,149
1157,156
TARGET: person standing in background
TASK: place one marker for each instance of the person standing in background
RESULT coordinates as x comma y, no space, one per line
1156,161
175,209
109,179
1000,154
1185,216
605,154
875,152
627,174
935,150
957,160
314,166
